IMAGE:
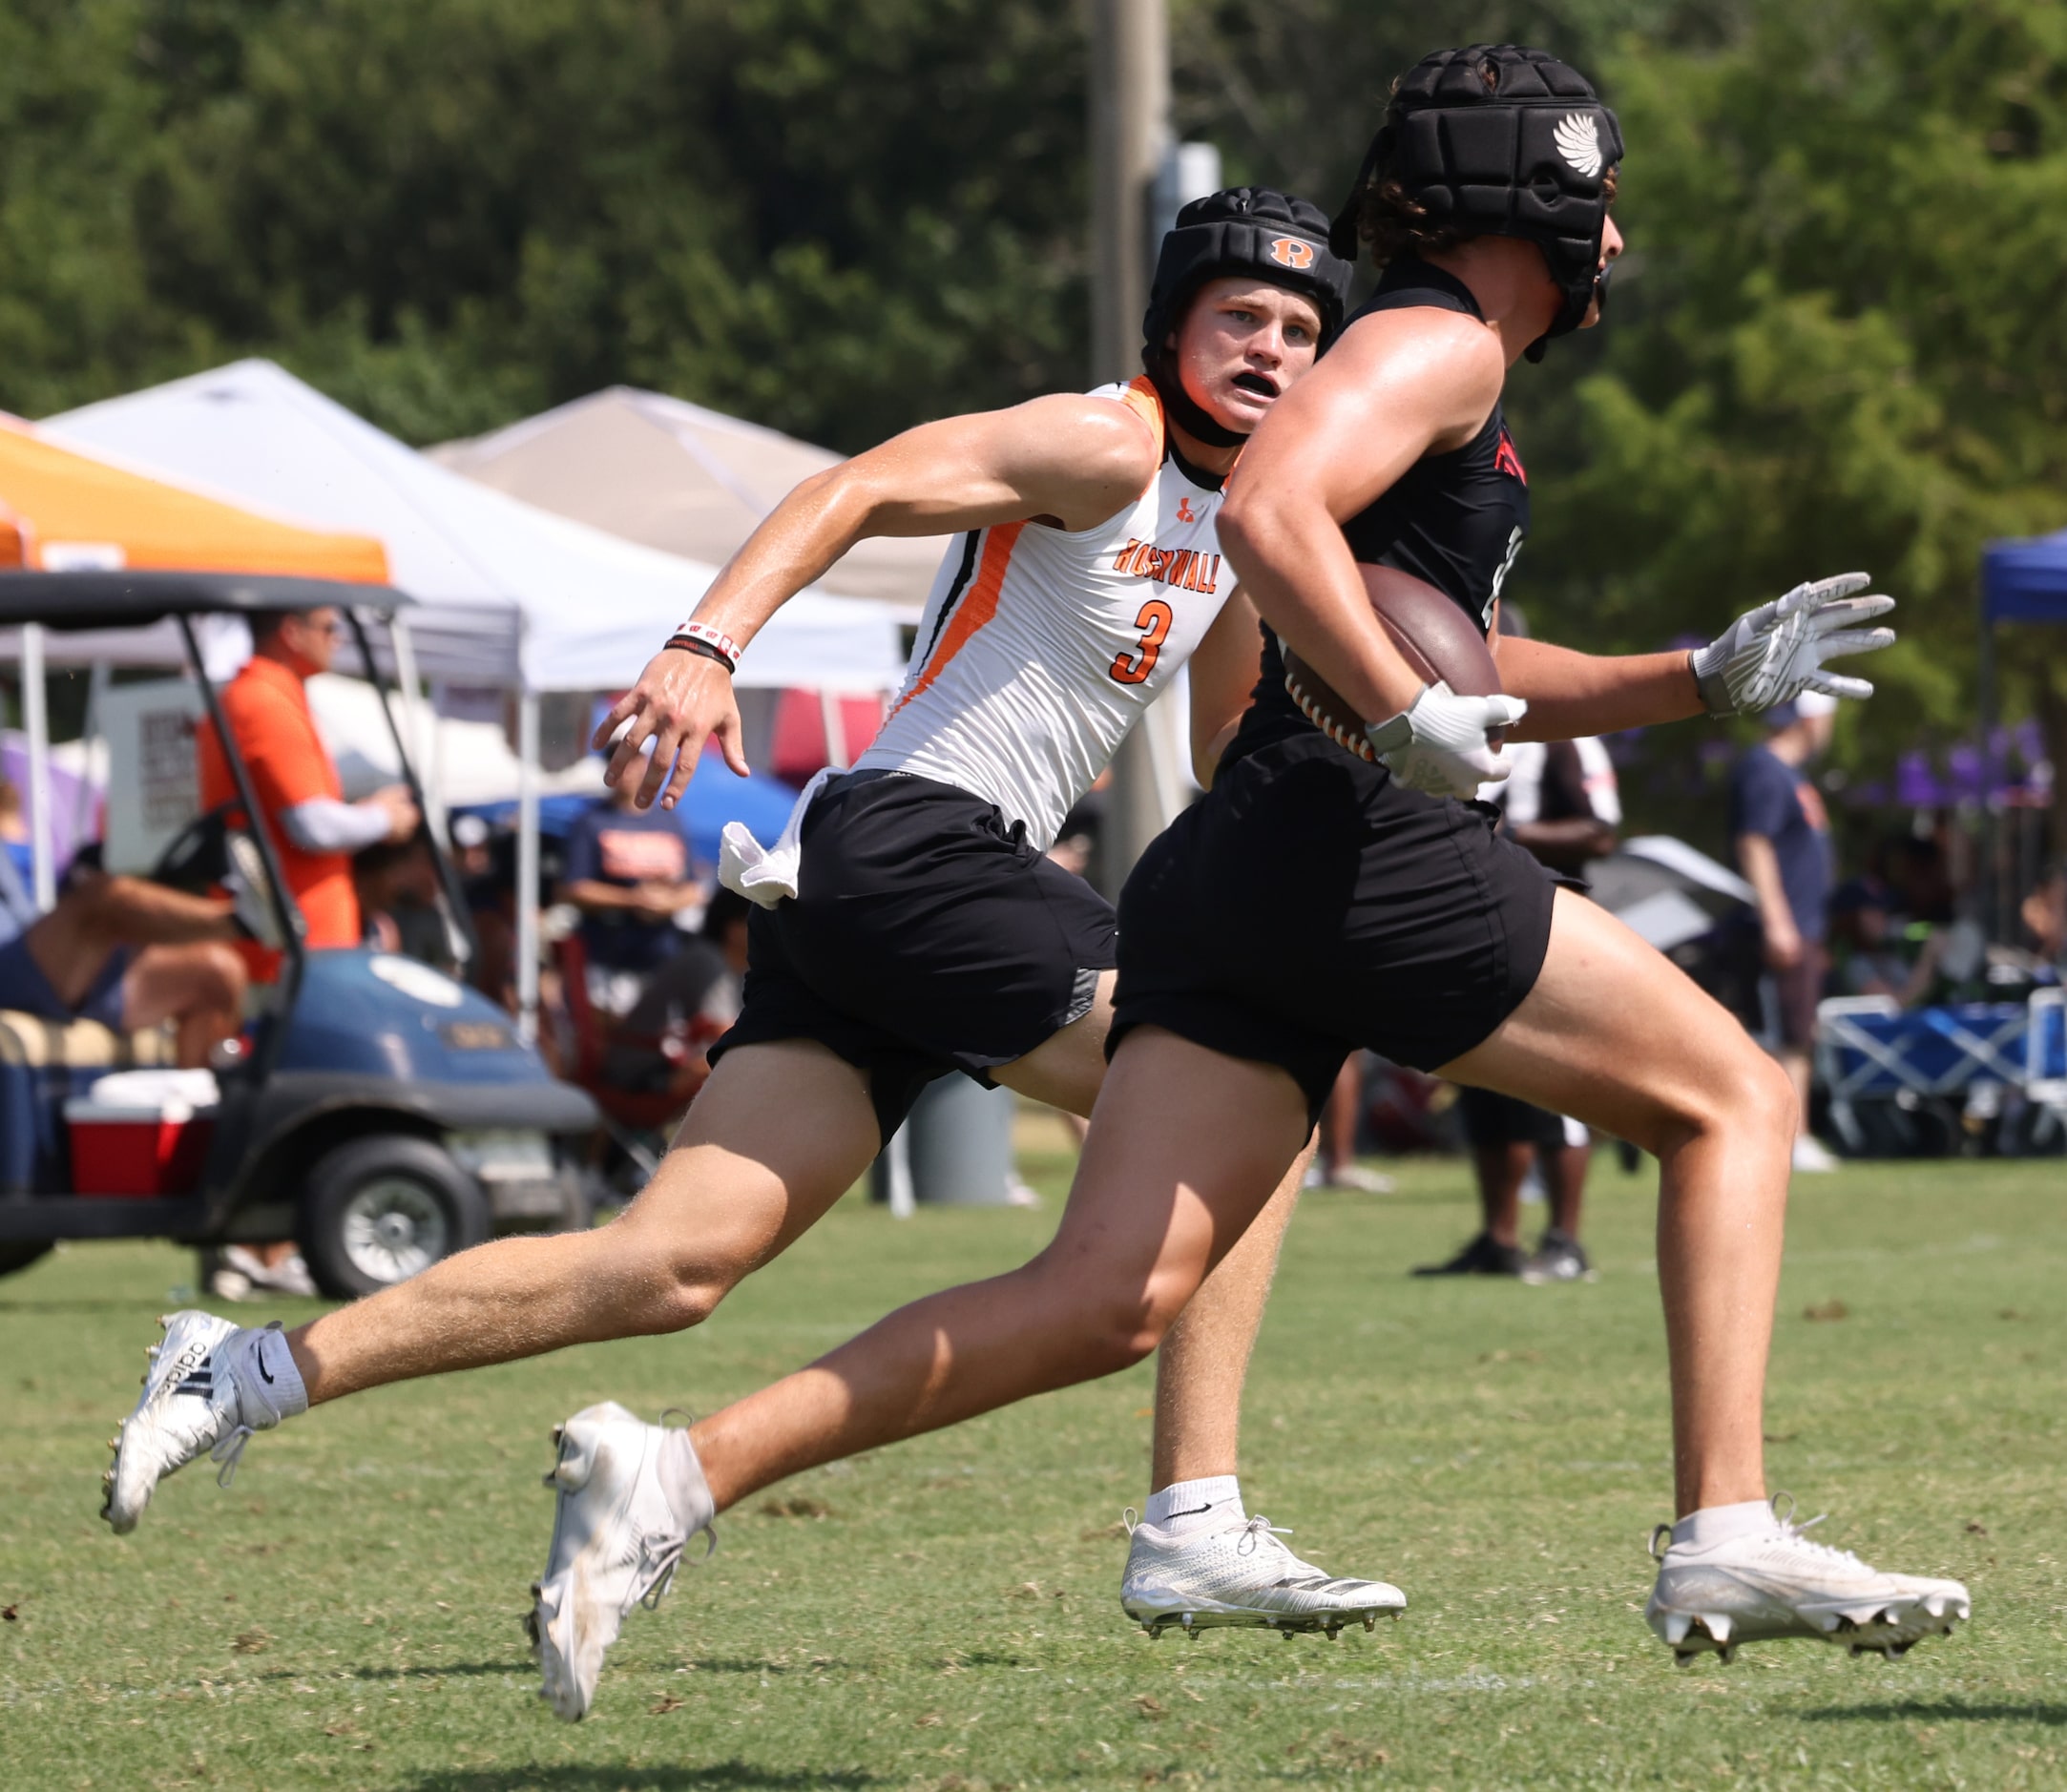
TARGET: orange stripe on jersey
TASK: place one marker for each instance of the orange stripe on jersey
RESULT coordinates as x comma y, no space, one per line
1143,400
974,610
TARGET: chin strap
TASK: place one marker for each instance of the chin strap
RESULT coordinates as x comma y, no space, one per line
1183,409
1536,349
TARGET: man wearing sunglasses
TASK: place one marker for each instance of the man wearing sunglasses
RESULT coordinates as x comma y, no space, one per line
300,801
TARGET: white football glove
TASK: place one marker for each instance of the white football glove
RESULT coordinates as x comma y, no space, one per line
1776,651
1439,744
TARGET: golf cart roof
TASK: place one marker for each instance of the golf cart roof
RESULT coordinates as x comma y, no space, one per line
135,600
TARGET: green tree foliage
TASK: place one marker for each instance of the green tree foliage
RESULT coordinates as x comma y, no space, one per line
833,218
1837,339
1843,342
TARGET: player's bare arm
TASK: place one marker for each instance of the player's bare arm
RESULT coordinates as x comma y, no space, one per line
1570,693
1398,385
1222,678
1067,459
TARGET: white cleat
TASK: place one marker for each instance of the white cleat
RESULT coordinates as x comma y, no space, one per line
207,1391
1242,1574
631,1496
1775,1584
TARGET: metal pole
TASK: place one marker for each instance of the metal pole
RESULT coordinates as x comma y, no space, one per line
1130,132
36,721
411,691
98,680
1986,701
1129,138
527,895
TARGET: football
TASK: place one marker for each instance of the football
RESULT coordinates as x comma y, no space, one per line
1434,634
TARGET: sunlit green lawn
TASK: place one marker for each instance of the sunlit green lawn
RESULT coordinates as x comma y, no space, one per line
944,1614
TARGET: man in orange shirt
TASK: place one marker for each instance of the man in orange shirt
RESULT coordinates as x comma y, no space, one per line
300,803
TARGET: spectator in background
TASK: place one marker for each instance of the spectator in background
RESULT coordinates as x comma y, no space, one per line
1866,945
300,801
400,903
1781,833
2044,915
313,829
627,869
127,954
1560,802
663,1044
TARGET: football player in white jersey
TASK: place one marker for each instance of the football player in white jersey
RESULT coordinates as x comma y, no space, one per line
910,927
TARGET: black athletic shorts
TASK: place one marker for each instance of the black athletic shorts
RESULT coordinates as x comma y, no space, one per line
1308,904
1491,1118
925,936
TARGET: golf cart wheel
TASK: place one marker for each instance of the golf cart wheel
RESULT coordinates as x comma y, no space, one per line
19,1253
378,1211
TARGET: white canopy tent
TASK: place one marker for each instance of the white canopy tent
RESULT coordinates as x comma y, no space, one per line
508,594
675,476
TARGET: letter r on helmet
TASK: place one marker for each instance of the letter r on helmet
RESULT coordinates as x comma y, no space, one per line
1291,252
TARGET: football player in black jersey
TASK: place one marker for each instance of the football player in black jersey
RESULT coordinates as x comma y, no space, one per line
1317,899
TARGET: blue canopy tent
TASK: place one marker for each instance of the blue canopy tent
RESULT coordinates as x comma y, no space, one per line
2021,581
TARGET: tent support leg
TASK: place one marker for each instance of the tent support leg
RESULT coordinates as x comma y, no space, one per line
527,915
1988,702
36,723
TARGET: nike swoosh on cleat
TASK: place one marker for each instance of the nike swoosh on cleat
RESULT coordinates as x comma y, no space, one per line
259,1355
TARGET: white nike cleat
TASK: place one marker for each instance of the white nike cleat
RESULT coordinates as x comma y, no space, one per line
632,1495
207,1390
1241,1575
1775,1583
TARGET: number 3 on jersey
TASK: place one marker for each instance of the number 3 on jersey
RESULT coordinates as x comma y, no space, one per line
1154,622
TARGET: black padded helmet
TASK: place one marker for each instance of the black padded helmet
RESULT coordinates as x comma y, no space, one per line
1498,140
1243,230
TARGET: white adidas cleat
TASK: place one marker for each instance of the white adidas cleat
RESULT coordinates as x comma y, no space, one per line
1775,1583
207,1391
632,1495
1242,1574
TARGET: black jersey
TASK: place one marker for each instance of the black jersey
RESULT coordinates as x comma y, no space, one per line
1454,521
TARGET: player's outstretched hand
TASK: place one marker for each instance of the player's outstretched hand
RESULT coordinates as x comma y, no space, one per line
1774,653
1439,743
680,701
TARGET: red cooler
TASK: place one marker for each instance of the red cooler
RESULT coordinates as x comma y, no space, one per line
143,1133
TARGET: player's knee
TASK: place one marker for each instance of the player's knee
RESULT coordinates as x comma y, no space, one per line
1118,1326
1745,1095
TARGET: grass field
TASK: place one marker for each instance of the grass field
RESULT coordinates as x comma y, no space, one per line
944,1614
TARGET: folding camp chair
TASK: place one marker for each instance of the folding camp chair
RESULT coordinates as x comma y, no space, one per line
1871,1049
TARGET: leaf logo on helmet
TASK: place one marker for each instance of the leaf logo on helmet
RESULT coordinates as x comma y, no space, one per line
1494,139
1578,141
1290,252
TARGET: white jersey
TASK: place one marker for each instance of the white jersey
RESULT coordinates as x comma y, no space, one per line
1040,648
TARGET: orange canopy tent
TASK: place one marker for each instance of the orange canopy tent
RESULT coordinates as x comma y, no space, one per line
61,510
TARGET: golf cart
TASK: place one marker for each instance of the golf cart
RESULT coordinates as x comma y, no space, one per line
381,1112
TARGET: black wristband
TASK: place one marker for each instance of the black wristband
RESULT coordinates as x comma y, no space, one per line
689,644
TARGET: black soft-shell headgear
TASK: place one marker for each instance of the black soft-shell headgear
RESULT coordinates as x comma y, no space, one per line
1501,141
1245,230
